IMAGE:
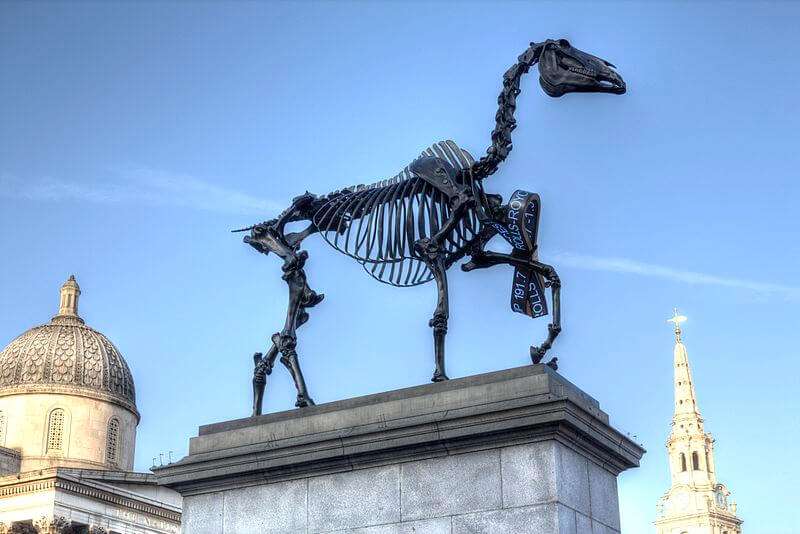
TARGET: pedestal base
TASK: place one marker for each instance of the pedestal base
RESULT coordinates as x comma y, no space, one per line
514,451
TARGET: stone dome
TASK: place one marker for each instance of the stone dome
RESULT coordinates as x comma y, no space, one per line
67,356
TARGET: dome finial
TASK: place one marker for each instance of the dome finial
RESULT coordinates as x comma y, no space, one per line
70,291
677,320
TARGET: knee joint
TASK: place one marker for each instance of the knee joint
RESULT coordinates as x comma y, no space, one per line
552,277
439,323
286,345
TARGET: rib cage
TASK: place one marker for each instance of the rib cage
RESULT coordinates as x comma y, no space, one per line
378,224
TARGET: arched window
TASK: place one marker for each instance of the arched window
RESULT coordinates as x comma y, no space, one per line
2,429
695,461
112,442
683,462
55,431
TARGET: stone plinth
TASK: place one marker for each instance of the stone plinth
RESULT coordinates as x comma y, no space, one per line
519,451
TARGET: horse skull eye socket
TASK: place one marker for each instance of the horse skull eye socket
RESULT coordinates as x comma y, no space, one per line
440,170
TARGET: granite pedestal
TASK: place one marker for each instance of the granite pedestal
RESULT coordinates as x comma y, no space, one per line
515,451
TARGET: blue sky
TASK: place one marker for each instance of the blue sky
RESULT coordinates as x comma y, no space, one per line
134,136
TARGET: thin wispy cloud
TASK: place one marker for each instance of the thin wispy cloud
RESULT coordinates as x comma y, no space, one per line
628,266
158,188
143,187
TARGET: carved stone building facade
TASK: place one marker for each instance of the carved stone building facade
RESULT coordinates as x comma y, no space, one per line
68,422
696,502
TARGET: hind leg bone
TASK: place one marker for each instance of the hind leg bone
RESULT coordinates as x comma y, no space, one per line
264,365
300,297
269,238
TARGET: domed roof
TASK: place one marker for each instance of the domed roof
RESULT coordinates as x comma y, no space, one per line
66,356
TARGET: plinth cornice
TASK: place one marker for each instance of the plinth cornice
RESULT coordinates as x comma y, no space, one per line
515,406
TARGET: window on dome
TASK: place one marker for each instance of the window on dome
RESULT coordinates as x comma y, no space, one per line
55,431
112,442
683,462
695,461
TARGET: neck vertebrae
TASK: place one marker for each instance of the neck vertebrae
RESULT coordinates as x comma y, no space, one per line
504,120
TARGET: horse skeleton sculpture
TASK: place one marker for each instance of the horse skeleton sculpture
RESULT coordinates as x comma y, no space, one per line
412,228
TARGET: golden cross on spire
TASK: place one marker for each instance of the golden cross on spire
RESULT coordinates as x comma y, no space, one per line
677,320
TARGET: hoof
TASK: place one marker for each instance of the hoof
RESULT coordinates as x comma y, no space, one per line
304,402
537,353
439,377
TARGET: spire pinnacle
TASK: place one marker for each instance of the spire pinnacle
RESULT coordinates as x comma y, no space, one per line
68,304
677,320
685,399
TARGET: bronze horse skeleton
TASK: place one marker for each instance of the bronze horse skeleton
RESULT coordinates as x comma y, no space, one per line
410,229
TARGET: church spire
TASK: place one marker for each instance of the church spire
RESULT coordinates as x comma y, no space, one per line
686,410
695,502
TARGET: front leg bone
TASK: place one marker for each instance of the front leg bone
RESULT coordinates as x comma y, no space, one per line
482,259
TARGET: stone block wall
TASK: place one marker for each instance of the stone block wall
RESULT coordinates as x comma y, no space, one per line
512,452
542,487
